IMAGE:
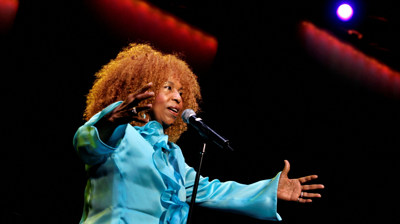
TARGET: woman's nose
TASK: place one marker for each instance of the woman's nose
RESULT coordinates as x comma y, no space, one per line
177,97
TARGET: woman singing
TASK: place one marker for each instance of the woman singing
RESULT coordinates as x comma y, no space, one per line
136,172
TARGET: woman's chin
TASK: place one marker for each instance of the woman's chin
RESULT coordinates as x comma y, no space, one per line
167,125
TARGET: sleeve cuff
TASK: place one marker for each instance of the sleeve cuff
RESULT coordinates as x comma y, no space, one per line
274,191
88,143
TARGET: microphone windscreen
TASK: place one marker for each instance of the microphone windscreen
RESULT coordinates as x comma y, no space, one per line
187,114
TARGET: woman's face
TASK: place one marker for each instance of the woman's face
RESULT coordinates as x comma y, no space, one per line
167,103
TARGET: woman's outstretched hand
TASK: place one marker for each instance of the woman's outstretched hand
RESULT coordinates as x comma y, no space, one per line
125,113
293,190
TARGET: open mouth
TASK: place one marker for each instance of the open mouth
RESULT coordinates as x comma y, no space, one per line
173,110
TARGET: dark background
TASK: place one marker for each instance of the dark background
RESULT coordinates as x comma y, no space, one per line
263,92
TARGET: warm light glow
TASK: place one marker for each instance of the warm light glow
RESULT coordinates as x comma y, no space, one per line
8,11
140,20
347,60
344,12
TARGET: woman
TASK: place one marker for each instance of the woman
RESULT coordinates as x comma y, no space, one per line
137,174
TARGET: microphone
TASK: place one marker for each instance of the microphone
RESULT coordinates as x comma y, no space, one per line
189,117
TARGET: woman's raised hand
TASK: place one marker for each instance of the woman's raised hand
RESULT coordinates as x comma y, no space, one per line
293,190
124,113
129,110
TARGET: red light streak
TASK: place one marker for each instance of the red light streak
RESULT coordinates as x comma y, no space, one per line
8,11
139,20
346,59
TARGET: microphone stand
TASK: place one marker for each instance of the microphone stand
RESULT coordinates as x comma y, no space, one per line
196,182
204,131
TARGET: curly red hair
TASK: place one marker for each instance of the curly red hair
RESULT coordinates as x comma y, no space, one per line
134,67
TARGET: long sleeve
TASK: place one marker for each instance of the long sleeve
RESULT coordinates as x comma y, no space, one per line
257,200
117,190
88,144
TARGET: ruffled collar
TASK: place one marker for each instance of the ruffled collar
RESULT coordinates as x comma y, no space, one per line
176,207
153,133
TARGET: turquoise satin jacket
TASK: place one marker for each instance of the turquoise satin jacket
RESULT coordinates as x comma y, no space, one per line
138,176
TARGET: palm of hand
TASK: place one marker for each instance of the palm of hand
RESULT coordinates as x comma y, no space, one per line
292,189
289,190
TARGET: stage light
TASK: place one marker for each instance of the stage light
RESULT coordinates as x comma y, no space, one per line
344,12
344,59
132,20
8,12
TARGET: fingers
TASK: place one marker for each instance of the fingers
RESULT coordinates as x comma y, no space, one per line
307,178
142,94
144,88
129,109
302,200
308,195
311,195
286,169
143,108
138,116
312,187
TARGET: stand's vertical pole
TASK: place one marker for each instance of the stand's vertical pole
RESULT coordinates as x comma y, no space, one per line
196,183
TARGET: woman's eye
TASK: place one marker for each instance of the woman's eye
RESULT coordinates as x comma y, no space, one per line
168,87
180,93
